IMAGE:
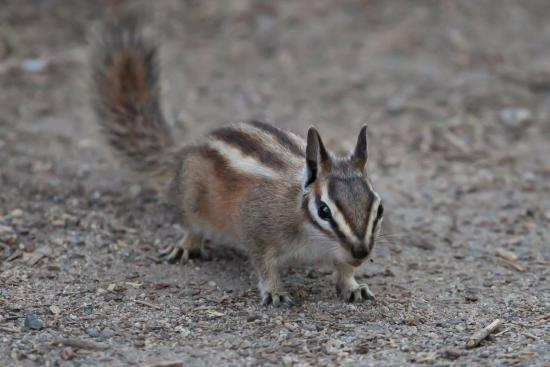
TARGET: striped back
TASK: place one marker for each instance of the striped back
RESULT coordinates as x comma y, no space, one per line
258,149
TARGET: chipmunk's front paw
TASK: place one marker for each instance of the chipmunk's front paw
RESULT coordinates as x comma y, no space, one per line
181,255
359,293
276,299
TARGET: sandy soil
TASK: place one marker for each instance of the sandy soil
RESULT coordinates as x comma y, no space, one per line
457,97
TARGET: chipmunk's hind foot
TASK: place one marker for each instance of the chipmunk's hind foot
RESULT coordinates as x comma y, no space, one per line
190,247
277,299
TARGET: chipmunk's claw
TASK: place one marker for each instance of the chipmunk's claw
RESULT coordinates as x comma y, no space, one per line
277,299
359,294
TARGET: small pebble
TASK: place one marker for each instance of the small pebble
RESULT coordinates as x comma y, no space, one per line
107,333
252,318
456,321
93,332
34,65
32,322
515,117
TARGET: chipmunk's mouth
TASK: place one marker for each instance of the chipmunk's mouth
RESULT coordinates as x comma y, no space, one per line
357,262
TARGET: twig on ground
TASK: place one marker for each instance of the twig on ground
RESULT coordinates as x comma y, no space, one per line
149,304
502,332
531,336
9,329
82,344
513,264
480,335
456,142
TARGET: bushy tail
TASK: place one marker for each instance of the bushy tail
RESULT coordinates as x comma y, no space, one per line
127,101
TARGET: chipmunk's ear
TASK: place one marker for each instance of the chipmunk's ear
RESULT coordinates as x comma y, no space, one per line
317,157
359,156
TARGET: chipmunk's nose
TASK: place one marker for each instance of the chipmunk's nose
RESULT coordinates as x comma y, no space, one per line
360,252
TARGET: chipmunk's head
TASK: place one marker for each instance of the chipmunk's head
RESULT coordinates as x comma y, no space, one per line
339,199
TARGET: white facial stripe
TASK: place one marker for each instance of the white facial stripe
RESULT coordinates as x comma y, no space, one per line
242,162
372,216
312,207
337,216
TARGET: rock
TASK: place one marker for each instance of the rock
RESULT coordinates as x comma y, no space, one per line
93,332
107,333
7,235
471,294
515,117
451,353
34,65
32,322
456,321
252,318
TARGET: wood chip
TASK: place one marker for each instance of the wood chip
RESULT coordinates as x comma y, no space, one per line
215,313
482,334
55,310
505,254
33,258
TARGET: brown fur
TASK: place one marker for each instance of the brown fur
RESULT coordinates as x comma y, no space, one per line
126,99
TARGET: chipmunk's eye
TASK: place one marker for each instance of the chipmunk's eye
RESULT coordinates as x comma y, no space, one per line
324,211
380,212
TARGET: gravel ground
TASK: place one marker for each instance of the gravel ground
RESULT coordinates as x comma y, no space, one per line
457,97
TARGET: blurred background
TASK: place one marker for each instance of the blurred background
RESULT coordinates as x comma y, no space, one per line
457,98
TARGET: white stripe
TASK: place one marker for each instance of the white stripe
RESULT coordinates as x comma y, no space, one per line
372,216
242,162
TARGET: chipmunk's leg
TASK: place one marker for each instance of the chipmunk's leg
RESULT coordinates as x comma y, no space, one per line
270,284
191,246
347,286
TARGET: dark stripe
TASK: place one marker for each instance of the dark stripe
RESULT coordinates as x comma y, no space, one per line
281,136
359,232
232,179
248,145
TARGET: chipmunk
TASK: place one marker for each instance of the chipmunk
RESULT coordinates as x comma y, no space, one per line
284,199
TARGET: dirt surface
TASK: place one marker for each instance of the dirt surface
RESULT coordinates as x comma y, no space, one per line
457,97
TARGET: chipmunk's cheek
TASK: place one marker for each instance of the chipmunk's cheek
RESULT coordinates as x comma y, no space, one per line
342,255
